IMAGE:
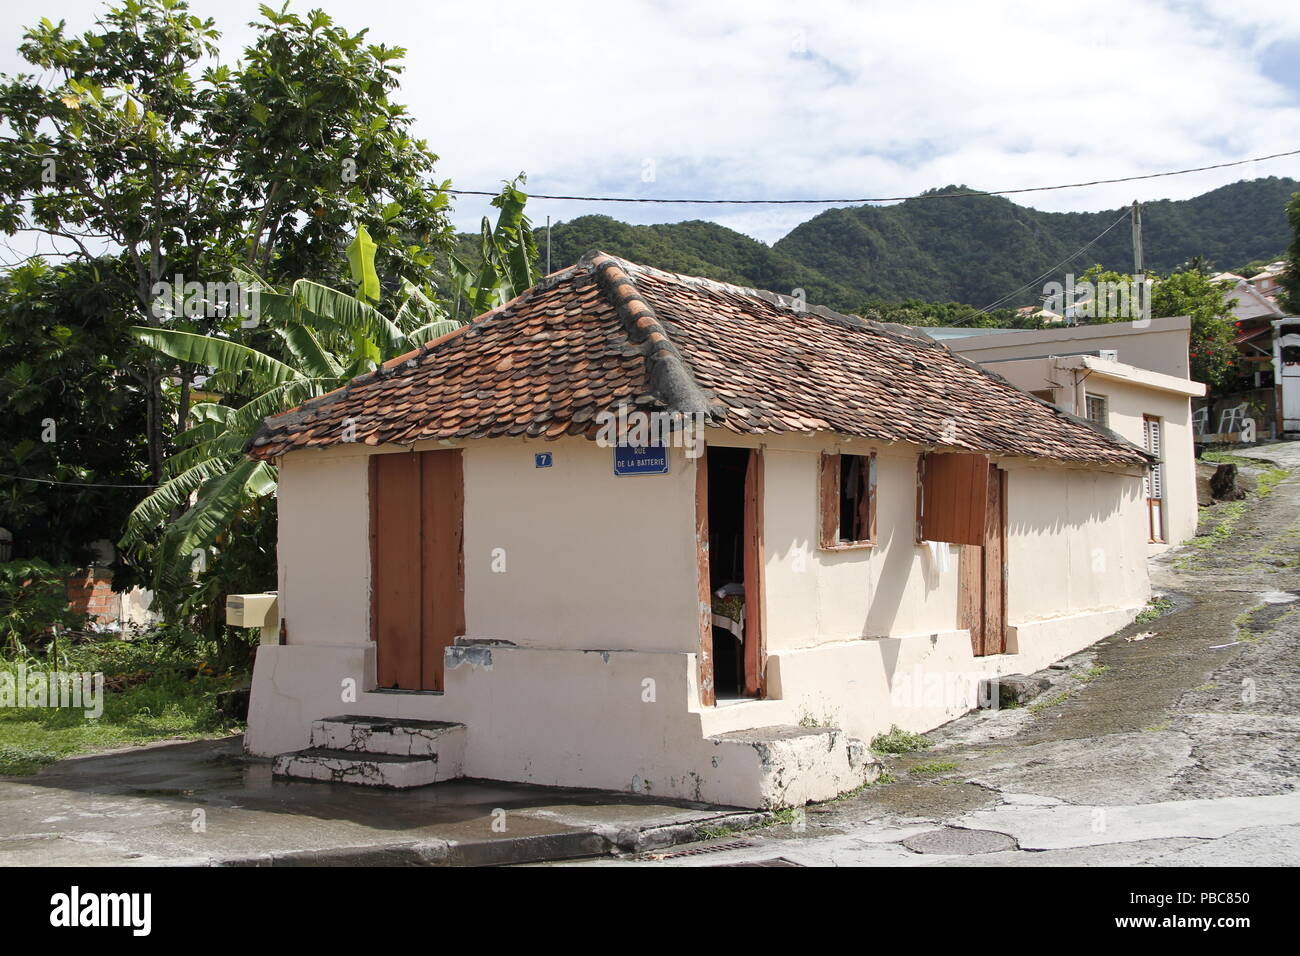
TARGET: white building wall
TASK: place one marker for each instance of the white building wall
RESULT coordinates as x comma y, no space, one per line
591,560
597,686
817,596
323,500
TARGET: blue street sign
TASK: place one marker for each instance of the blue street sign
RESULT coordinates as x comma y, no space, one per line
640,460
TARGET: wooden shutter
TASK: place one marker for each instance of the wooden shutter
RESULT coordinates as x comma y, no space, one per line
708,694
829,499
954,498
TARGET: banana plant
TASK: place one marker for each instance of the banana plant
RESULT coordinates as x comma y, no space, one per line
507,255
319,338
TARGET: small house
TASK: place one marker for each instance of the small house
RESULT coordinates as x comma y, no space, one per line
653,533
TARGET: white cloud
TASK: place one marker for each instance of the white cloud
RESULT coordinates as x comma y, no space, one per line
823,98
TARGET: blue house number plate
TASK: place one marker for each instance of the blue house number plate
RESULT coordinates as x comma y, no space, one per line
542,459
642,460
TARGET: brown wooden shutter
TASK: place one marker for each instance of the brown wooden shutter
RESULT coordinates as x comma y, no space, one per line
708,693
954,498
829,499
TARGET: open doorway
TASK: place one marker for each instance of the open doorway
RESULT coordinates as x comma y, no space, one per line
733,595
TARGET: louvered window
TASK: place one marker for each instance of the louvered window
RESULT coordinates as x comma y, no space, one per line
1153,485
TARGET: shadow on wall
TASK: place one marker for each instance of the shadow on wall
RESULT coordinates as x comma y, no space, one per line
1056,506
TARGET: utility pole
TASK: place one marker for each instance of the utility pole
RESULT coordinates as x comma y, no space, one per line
1138,271
548,245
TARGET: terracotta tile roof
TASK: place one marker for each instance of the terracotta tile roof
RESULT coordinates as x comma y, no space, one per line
607,332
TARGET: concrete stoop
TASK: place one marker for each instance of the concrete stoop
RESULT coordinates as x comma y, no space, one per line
378,752
789,766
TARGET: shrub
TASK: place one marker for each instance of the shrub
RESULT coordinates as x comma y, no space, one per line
899,741
33,598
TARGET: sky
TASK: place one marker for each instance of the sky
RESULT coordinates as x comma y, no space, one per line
752,99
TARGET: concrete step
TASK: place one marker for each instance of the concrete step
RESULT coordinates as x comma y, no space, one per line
372,770
390,735
790,766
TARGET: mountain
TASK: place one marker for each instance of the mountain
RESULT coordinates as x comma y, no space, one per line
973,249
694,248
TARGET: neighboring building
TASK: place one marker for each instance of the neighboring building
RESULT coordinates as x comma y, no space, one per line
1249,304
1256,387
1128,376
871,525
1268,281
1038,312
1286,362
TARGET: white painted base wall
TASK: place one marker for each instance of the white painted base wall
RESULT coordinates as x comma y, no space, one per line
629,720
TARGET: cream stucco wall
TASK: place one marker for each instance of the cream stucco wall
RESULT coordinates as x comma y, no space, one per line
1131,393
565,556
1048,359
324,547
598,603
1128,402
818,596
1075,543
591,560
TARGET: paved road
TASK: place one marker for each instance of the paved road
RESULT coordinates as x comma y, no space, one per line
1174,742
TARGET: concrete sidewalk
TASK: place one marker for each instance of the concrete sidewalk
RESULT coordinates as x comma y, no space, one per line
202,803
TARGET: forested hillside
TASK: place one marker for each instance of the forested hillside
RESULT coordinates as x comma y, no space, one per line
973,249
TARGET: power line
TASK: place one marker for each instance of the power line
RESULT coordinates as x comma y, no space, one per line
1033,282
71,484
816,202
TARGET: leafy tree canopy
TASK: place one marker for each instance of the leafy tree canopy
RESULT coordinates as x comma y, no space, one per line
135,140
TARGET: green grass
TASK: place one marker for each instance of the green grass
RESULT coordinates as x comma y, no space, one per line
1154,609
932,768
1038,706
1227,458
162,693
1268,480
1218,525
1220,522
900,742
1093,672
1243,625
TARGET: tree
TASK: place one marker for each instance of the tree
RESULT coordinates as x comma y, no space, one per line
507,256
317,338
313,339
916,312
1290,279
70,412
1189,292
141,143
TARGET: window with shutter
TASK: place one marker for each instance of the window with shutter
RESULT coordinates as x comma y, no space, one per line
1154,444
1153,485
1097,410
848,501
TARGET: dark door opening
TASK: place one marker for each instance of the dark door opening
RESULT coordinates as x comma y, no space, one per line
727,468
